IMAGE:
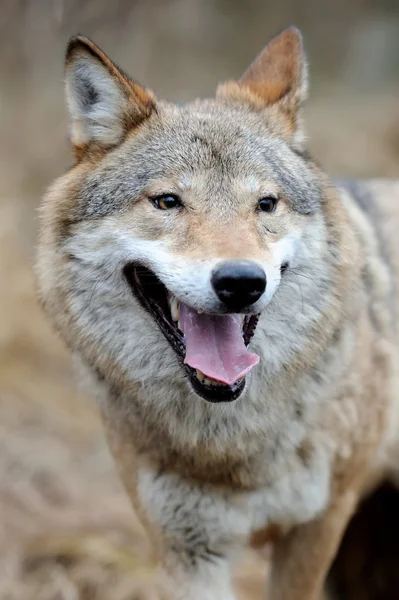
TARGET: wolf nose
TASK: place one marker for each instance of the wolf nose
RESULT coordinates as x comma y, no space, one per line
238,283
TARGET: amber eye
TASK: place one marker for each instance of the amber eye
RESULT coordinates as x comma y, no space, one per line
166,201
267,204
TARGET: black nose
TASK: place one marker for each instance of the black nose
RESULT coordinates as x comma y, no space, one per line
238,283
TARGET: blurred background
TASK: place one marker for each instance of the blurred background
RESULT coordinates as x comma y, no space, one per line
67,531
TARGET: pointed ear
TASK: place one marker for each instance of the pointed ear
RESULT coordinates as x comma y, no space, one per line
277,78
104,103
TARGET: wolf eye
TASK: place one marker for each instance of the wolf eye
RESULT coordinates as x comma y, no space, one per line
166,201
267,204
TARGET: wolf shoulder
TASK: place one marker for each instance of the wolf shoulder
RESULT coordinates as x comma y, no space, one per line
373,207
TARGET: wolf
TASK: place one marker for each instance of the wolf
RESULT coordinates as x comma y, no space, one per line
236,313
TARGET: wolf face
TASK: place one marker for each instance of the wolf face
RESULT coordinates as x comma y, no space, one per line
178,225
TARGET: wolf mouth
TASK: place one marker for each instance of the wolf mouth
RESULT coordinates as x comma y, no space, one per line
164,308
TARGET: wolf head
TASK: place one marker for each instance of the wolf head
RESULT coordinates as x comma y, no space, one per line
179,227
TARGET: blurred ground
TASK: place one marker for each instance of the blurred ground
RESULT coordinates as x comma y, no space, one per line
67,531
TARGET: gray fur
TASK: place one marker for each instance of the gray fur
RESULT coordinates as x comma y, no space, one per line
171,144
207,476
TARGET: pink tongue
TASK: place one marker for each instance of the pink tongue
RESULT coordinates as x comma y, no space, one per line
215,346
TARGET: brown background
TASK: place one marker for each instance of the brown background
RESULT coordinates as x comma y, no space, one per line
66,529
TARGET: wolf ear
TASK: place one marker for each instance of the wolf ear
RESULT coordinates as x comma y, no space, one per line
277,79
104,104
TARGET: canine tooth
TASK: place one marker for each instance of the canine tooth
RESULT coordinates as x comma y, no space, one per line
174,308
200,375
207,381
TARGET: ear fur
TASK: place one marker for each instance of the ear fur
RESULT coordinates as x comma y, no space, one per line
277,79
104,103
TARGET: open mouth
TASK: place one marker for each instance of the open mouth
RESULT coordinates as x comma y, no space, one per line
211,348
